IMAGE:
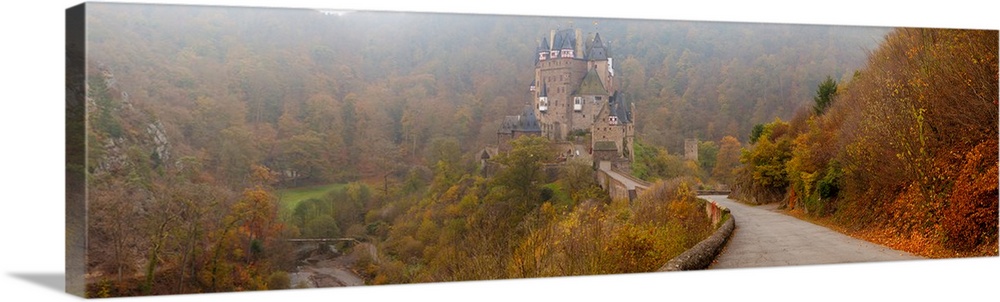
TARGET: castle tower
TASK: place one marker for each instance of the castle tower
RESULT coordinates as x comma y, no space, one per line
543,51
598,57
578,79
691,149
574,89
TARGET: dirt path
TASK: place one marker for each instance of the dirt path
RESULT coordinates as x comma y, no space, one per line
764,237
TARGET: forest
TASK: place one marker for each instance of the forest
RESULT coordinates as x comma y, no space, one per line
903,153
201,120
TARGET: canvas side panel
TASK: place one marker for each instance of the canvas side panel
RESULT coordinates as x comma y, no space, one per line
76,182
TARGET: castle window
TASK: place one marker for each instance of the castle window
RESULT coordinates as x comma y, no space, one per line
613,120
577,103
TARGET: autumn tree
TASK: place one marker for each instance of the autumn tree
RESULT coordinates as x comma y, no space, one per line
522,167
727,160
113,230
708,151
257,211
763,177
905,134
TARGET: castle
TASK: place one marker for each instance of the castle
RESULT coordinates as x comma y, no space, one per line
574,92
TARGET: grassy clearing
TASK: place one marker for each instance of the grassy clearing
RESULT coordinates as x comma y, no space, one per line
290,197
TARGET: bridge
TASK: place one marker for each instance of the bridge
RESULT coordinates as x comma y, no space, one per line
622,185
322,240
619,184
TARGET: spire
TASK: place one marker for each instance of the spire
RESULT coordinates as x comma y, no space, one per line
528,122
567,43
567,48
544,46
543,51
597,51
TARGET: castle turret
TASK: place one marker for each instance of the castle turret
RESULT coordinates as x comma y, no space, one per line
597,52
597,57
543,51
567,49
543,99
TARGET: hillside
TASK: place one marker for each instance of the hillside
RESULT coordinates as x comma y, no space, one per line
293,78
903,153
202,117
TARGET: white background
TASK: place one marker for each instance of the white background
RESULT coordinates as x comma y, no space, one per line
31,168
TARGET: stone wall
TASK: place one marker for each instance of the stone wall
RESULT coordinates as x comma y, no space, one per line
702,254
615,187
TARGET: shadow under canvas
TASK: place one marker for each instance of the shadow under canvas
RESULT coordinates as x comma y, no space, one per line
54,281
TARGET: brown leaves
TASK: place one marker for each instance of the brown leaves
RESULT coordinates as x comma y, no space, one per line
970,216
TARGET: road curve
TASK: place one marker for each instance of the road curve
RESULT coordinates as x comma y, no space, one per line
764,237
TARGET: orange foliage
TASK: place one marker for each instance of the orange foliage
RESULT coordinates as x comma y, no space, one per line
970,217
919,143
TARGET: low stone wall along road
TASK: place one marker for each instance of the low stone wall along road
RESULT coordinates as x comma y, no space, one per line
765,237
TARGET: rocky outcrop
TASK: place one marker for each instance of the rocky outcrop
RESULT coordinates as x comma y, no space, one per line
118,151
161,146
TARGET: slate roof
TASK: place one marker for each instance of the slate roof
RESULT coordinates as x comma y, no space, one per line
591,84
568,43
562,38
597,50
544,46
526,122
620,107
508,124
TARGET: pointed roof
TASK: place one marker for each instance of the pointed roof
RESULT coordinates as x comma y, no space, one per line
619,107
591,84
527,122
564,38
544,46
508,124
567,43
597,51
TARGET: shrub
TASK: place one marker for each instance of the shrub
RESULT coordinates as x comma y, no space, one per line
279,280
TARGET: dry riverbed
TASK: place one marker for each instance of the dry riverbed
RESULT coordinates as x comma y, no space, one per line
327,269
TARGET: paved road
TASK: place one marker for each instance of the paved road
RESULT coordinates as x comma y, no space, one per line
764,237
